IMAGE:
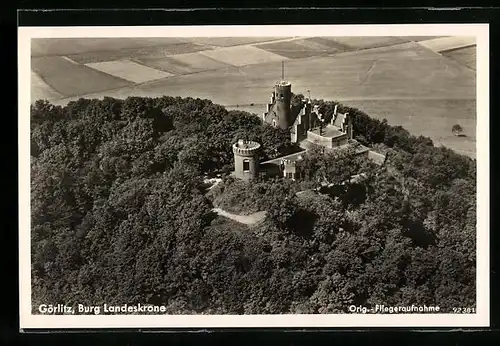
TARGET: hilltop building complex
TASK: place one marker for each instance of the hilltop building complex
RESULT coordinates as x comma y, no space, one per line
307,127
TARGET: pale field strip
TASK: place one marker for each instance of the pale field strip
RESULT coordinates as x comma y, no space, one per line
41,90
448,43
129,70
243,55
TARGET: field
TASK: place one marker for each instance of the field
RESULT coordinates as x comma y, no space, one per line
71,46
328,42
71,79
367,42
242,55
300,48
389,77
184,63
129,70
137,53
466,56
228,41
431,118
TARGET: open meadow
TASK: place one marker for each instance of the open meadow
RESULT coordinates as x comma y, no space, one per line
410,83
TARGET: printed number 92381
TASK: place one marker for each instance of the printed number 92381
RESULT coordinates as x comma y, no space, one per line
464,310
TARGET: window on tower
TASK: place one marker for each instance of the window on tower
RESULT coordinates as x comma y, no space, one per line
246,165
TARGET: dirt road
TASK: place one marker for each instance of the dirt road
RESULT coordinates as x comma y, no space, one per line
244,219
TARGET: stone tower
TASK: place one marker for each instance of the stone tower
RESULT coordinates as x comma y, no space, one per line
246,159
283,97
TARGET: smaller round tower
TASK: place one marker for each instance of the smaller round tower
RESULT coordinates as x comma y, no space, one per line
246,159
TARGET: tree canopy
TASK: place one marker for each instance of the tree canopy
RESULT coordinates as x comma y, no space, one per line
120,214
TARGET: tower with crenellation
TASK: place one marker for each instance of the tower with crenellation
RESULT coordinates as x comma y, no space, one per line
246,159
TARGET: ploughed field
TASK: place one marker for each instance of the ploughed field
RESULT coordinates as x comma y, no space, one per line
425,84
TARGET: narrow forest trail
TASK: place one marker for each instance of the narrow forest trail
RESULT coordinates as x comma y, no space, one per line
244,219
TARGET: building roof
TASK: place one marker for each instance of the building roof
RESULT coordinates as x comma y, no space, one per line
329,131
292,157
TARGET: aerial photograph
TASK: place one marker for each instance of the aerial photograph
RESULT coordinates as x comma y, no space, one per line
253,175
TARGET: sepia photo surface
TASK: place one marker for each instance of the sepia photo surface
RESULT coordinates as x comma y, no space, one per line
283,176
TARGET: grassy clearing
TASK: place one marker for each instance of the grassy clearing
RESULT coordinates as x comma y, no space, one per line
242,55
70,46
185,63
466,56
130,71
40,90
138,53
71,79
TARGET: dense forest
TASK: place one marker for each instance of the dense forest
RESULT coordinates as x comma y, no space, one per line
121,214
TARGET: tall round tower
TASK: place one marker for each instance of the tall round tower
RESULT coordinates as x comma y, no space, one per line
283,94
246,159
